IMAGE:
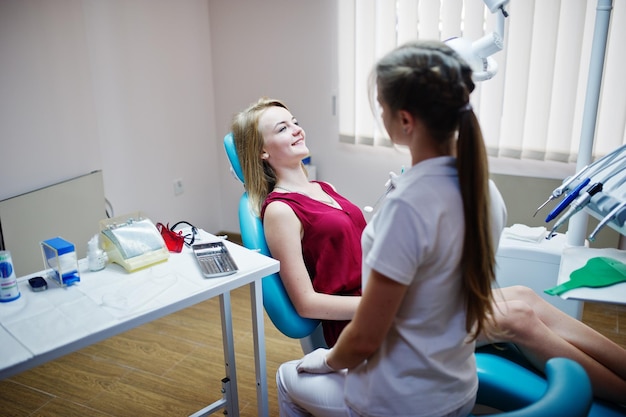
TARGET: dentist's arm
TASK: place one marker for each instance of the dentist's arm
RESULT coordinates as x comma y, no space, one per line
366,332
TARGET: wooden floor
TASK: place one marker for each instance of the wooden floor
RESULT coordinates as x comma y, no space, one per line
173,366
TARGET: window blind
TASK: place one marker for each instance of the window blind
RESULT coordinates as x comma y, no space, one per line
532,108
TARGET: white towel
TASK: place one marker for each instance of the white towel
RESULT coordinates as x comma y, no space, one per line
525,233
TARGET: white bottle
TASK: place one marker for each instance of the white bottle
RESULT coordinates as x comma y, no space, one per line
9,290
96,257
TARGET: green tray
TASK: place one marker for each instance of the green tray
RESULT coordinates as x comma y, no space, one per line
598,272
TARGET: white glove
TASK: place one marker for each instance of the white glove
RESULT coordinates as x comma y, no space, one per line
392,181
389,185
315,362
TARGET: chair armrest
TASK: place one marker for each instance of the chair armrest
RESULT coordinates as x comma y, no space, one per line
519,392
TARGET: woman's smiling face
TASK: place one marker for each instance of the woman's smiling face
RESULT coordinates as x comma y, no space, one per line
284,139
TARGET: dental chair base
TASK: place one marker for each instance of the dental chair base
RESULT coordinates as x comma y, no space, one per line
508,381
510,388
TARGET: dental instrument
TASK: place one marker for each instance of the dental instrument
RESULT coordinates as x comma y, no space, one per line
612,214
611,180
589,170
577,205
606,161
369,209
608,174
567,200
558,192
389,185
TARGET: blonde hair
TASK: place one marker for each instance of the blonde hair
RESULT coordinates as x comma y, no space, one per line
259,176
429,80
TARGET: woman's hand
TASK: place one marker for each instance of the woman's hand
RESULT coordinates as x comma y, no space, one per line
315,362
364,335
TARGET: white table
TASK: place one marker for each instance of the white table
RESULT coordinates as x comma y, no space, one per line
42,326
574,258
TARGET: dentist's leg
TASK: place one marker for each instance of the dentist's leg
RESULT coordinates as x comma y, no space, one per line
303,394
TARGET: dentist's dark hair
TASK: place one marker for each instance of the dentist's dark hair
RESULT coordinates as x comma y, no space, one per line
429,80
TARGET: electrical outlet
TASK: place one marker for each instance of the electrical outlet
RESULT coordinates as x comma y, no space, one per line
178,187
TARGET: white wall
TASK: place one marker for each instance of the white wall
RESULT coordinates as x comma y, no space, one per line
122,86
151,69
286,49
47,113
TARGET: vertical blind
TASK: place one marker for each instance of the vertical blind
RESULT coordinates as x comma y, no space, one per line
533,107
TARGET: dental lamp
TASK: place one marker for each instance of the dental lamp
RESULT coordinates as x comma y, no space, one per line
478,53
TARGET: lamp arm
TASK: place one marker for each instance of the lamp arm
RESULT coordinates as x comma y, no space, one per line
478,53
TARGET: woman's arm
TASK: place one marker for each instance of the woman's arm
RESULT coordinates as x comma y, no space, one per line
365,333
283,232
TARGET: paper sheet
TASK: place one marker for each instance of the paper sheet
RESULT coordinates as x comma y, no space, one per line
574,258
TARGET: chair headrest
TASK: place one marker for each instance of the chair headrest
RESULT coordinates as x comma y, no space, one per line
231,153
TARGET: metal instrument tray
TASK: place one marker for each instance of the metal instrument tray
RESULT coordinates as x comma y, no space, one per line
214,259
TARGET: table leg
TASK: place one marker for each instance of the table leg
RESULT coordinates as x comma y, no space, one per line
230,399
258,329
232,405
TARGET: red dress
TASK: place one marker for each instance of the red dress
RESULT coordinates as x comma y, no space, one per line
331,246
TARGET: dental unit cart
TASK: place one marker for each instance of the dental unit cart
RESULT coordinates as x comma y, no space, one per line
535,265
600,190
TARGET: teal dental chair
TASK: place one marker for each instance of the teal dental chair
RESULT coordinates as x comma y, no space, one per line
517,392
503,384
276,302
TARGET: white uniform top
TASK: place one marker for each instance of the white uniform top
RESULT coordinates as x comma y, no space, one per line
424,367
